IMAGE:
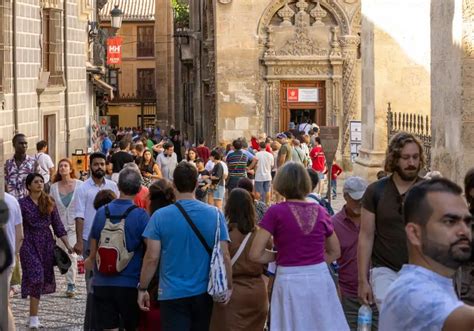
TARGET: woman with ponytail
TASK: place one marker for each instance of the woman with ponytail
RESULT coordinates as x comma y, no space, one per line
39,212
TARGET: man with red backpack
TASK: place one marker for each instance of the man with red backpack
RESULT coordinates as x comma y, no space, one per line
116,251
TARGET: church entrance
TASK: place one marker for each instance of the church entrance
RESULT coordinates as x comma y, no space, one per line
301,101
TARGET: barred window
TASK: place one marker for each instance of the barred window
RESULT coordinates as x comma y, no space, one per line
52,45
145,41
113,80
146,83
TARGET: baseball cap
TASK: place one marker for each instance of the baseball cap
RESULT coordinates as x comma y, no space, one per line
281,136
355,187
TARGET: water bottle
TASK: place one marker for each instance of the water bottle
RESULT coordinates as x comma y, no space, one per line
364,320
80,265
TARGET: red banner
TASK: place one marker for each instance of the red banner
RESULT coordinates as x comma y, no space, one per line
114,50
293,95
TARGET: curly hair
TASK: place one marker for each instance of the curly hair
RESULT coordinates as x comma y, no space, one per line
161,194
394,150
468,186
46,203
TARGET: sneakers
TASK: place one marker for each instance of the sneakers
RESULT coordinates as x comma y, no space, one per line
71,290
34,323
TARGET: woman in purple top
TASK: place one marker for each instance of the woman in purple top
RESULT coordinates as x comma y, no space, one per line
304,295
36,254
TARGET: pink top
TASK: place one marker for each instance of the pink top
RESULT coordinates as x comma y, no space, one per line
299,232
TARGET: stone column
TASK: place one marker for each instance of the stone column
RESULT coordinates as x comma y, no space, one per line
452,87
349,46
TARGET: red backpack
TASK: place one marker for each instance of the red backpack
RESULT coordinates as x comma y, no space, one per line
112,254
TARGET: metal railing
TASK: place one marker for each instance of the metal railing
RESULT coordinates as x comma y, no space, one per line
416,124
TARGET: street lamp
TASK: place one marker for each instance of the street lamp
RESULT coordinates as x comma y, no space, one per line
116,17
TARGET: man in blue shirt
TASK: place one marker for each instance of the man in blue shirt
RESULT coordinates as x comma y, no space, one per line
106,143
184,262
438,228
115,295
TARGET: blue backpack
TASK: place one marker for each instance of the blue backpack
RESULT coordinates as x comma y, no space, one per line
323,203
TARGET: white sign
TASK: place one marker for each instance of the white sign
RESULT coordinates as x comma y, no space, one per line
308,95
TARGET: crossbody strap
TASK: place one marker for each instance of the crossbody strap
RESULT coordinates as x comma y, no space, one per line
241,248
195,229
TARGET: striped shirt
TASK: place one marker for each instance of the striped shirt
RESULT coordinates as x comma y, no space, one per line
237,164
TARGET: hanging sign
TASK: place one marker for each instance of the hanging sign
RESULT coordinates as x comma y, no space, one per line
114,50
303,95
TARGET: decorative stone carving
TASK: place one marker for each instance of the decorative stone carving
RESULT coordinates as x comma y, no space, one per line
225,2
270,45
302,71
468,26
302,5
318,13
286,14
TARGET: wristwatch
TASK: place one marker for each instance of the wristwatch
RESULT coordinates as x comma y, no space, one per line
141,289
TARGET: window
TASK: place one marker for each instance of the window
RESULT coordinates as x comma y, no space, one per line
52,45
146,83
113,80
145,42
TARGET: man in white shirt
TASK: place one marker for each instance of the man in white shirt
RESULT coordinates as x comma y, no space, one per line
167,161
14,230
263,174
45,165
438,229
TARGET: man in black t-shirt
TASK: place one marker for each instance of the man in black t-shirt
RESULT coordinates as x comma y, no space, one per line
203,181
382,240
119,159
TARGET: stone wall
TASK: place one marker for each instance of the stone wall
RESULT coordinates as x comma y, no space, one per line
395,68
30,111
452,33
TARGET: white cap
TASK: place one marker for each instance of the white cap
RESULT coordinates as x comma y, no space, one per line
355,187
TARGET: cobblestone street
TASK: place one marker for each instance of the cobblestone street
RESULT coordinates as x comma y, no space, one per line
56,311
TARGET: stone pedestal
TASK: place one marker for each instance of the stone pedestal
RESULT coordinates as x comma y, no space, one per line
452,87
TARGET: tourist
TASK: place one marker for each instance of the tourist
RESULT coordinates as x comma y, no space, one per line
115,294
203,151
285,152
167,160
106,143
64,192
438,230
346,226
45,166
217,188
14,231
260,206
298,154
120,158
305,147
263,174
139,149
162,194
318,161
204,181
39,213
237,164
85,213
336,171
103,198
192,155
305,241
141,199
150,170
382,238
248,306
184,305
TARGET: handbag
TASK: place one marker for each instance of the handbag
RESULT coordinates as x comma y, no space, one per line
217,286
61,259
241,248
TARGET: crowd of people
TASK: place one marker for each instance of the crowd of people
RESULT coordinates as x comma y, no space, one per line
152,207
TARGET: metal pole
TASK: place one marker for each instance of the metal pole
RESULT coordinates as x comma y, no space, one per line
329,193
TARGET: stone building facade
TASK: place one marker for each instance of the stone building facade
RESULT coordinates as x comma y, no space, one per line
44,90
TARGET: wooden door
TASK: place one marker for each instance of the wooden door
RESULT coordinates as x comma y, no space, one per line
318,108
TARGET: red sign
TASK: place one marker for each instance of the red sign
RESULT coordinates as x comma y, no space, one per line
292,94
114,50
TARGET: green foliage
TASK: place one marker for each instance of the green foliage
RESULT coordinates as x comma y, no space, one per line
181,13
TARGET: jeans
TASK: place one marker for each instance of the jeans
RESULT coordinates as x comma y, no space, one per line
186,314
334,187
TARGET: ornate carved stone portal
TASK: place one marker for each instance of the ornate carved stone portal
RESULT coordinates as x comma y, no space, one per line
311,41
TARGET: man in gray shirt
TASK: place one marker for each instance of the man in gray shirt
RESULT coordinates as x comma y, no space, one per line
167,161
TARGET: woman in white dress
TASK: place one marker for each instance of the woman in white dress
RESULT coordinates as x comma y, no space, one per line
63,192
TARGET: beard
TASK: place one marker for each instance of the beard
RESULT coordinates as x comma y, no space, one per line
404,175
99,173
451,258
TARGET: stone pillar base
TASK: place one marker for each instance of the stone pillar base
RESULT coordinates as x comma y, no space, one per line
368,163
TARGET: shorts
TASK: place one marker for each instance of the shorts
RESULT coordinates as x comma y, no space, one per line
219,192
112,304
320,175
263,187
